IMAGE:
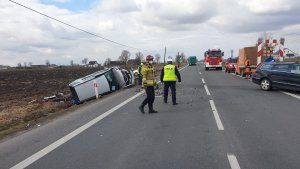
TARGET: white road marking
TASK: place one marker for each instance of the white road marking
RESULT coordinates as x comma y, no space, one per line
69,136
216,115
183,68
291,94
234,164
203,81
200,73
206,89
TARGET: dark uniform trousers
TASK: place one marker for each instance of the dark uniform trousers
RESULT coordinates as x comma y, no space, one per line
150,97
172,85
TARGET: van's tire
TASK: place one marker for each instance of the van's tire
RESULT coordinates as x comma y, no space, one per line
265,84
206,68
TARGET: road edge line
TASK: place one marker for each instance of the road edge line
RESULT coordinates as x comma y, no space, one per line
36,156
291,94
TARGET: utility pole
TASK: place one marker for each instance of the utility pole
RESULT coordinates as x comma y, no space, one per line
178,62
231,53
165,56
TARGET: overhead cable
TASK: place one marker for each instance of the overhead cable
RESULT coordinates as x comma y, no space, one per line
93,34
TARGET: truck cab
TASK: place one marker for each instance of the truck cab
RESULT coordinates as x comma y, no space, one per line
192,60
213,59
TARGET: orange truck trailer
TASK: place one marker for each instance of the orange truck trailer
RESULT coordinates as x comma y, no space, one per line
244,54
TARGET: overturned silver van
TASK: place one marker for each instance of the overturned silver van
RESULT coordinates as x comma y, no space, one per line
104,81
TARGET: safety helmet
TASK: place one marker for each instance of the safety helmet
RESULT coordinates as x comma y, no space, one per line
170,60
149,58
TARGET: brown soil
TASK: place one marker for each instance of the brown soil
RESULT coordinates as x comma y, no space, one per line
22,93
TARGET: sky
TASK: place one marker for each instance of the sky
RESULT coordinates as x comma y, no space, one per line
148,26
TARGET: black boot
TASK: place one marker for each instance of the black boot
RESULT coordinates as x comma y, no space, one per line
141,108
151,110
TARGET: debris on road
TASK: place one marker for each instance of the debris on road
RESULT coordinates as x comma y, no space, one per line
58,97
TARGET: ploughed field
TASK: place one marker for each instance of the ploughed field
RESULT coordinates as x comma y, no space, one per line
22,93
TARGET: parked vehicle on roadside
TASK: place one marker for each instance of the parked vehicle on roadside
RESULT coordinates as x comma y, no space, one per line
283,75
230,65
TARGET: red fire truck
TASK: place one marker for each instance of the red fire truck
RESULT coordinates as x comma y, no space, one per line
213,59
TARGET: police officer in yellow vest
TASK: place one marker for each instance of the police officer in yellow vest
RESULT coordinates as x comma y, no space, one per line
148,83
168,77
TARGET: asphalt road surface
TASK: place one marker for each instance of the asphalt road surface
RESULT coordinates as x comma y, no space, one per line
222,121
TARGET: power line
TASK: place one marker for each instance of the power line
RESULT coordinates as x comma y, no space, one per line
93,34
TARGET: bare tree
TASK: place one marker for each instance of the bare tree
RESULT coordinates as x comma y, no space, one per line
84,61
19,65
139,57
72,63
157,57
29,64
182,57
125,55
47,63
107,61
178,59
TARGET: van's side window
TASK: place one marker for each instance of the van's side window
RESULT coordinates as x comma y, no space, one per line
296,69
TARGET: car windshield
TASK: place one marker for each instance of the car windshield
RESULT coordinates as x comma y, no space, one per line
215,53
232,60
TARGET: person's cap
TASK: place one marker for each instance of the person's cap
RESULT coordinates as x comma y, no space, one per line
169,60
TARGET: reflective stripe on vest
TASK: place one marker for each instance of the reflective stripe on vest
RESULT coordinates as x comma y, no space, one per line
169,73
150,82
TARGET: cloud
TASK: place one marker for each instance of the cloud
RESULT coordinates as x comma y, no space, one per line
176,15
189,26
267,6
118,6
249,16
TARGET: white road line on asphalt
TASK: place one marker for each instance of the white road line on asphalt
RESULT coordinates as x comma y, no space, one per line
216,115
206,89
203,81
183,68
291,94
69,136
234,164
200,73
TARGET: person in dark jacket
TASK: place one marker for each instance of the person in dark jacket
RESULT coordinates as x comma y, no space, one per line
168,76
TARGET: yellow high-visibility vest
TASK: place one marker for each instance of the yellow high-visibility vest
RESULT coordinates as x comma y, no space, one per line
169,73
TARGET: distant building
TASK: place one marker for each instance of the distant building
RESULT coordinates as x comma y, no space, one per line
38,66
93,64
4,67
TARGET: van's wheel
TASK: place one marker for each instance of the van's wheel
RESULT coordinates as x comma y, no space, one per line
265,84
206,68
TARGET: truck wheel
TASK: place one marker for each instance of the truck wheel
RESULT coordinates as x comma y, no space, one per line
265,84
206,68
